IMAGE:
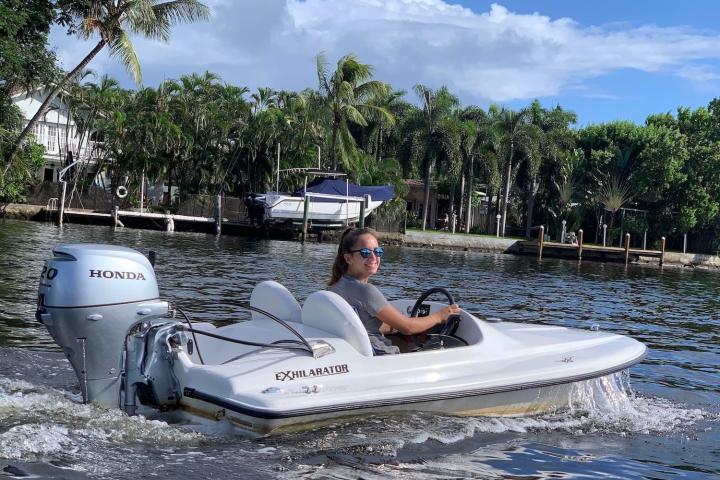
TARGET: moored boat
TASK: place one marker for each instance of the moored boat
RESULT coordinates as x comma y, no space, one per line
332,201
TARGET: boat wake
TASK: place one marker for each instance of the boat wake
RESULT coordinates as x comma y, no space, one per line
605,405
40,421
428,446
50,425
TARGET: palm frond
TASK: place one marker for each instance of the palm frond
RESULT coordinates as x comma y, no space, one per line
321,66
354,115
123,49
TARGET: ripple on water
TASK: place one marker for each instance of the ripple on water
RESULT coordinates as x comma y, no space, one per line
669,429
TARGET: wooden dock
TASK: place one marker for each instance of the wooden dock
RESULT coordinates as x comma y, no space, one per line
581,251
172,222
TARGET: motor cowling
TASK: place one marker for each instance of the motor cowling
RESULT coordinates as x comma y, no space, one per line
90,296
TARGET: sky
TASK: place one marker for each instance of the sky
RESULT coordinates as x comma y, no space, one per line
605,60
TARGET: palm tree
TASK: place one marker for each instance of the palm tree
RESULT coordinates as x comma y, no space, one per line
112,20
514,133
381,125
347,93
614,185
550,137
473,141
427,131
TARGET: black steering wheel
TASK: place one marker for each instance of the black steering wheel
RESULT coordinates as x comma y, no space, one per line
453,322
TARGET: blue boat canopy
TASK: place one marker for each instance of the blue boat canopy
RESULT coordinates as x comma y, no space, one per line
333,186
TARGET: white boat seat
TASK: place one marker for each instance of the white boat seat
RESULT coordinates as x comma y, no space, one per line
330,312
275,299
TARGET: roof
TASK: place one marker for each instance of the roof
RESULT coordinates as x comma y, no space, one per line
333,186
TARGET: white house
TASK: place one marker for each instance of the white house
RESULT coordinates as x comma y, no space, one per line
57,132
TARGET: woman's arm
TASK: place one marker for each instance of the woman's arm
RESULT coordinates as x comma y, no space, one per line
391,316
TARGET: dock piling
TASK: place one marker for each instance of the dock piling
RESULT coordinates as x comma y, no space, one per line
604,233
306,212
541,239
580,243
61,212
362,212
627,247
218,218
662,250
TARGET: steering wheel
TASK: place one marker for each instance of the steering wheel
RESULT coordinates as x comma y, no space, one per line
453,322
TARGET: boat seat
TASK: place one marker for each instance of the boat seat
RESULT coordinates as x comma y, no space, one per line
330,312
275,299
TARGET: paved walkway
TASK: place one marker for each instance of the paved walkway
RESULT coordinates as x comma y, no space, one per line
458,241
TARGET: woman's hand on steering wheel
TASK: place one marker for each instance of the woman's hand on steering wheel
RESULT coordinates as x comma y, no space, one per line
447,312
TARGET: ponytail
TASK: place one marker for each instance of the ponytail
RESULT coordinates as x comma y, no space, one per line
347,240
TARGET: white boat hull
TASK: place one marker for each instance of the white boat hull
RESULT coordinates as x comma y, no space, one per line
283,208
497,374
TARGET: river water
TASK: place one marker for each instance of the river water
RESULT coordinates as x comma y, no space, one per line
665,424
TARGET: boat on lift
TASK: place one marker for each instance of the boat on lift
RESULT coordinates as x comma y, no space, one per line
295,366
332,200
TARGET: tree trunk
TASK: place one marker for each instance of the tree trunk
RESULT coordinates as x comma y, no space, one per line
168,200
489,217
453,187
426,193
377,146
462,194
508,174
469,196
46,104
531,206
333,143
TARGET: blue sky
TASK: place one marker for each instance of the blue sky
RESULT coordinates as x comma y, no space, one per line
604,60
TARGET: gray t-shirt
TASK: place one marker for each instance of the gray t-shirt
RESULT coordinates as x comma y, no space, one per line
367,301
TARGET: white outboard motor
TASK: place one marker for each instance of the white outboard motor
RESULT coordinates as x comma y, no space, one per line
90,297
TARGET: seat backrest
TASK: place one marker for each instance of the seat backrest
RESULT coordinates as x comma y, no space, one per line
275,299
330,312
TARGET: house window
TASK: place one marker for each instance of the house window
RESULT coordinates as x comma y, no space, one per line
61,138
51,138
37,132
49,174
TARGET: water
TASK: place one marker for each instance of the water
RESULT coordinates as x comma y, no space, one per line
661,421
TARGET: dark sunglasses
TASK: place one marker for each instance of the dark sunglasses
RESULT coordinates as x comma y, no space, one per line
366,252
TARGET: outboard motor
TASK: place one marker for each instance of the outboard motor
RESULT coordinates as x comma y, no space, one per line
90,297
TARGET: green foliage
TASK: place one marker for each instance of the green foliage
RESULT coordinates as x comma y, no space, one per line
19,175
206,136
25,61
113,22
347,95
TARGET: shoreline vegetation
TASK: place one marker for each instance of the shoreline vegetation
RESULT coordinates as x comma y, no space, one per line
200,135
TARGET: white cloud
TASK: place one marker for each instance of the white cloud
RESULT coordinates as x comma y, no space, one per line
496,55
701,76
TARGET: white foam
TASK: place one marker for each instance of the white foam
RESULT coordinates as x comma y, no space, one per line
32,441
604,405
52,421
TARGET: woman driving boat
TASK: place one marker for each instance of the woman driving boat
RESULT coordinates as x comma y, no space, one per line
357,259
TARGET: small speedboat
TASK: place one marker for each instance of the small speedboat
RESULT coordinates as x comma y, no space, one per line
293,366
